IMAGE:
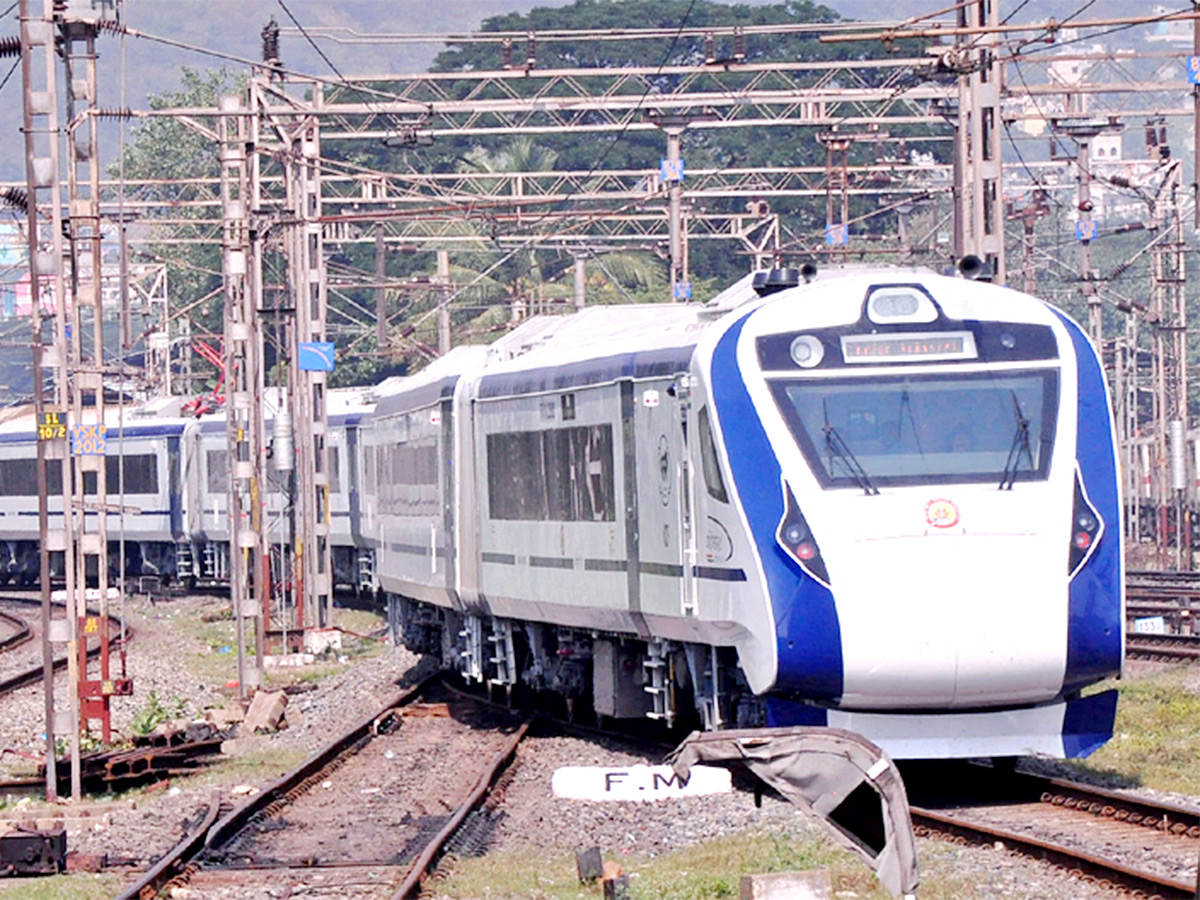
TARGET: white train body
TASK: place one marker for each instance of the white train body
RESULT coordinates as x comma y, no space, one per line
606,502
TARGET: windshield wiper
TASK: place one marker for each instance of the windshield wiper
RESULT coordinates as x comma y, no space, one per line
906,406
1020,446
838,448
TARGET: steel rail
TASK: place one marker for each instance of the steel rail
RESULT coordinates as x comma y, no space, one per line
215,834
1098,802
1163,646
1106,870
421,865
21,633
233,823
1157,814
34,675
175,861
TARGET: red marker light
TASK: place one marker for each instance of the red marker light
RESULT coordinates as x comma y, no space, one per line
1083,540
806,551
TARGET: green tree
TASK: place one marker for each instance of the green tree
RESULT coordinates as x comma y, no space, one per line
166,150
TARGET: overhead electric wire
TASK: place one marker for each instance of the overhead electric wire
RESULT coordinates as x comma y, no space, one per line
1091,36
10,74
591,170
312,43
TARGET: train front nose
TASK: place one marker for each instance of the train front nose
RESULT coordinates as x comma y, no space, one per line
952,620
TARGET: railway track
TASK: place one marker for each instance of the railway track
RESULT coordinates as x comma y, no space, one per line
14,631
1158,577
1166,647
24,668
1146,848
1171,598
368,816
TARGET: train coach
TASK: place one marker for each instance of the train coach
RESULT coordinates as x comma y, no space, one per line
170,508
884,500
144,480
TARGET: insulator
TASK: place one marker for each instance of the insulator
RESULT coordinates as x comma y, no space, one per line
739,45
1177,435
270,41
114,113
506,53
15,197
531,50
108,25
284,456
10,46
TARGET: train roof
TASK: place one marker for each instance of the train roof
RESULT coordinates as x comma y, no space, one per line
837,296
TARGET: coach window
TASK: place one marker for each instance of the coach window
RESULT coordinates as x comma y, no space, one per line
18,477
369,469
218,475
141,474
708,458
408,478
557,475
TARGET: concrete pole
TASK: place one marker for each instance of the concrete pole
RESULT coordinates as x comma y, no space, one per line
1083,164
380,291
443,276
580,281
675,204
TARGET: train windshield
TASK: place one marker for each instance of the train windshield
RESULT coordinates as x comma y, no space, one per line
923,429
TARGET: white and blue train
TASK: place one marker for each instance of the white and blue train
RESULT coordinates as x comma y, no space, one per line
883,500
174,493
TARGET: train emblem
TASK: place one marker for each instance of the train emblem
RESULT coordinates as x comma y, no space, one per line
941,513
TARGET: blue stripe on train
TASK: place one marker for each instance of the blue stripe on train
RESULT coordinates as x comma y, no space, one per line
1094,617
808,635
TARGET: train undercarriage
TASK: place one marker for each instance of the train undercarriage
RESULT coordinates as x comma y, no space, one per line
613,676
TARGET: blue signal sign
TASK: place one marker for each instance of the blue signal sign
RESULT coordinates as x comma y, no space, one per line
1193,69
837,235
316,356
671,169
1086,231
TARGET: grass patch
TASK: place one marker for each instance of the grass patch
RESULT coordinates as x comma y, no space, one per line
206,661
360,621
213,659
711,870
253,767
1155,736
62,887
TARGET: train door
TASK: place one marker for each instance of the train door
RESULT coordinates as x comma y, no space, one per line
663,509
448,476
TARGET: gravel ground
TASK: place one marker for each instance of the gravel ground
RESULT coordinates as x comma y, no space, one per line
148,823
534,821
145,824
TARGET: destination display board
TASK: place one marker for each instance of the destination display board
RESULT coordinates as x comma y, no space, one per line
928,346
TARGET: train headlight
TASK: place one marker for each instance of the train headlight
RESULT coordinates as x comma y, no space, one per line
796,540
794,533
807,351
1086,529
889,304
